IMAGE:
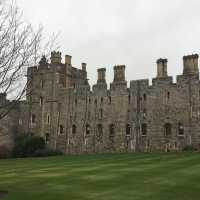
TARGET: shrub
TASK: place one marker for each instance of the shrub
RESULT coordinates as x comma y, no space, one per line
4,152
26,146
47,152
189,148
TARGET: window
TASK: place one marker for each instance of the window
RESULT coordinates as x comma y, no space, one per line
110,100
41,101
61,129
95,102
144,129
99,132
47,137
144,97
101,113
33,119
89,115
101,100
111,130
180,129
128,130
129,98
168,95
89,101
76,102
73,129
168,129
144,112
42,83
48,119
87,129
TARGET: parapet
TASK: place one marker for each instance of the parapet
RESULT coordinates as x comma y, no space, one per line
190,64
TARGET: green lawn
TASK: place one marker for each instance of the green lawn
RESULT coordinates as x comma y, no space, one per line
103,177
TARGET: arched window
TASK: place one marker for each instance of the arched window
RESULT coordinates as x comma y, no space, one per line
33,119
61,129
168,95
111,130
41,101
110,99
144,97
48,119
99,132
101,113
47,138
73,129
128,130
129,98
144,129
95,102
180,129
168,129
87,129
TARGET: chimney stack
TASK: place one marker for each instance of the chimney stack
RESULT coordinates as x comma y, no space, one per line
190,64
119,73
101,75
68,60
162,68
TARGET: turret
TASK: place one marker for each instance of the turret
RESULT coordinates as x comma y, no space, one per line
162,68
190,64
101,76
56,57
3,98
119,73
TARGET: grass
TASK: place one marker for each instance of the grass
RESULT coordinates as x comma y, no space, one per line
103,177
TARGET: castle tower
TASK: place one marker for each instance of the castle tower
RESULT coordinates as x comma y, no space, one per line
101,76
119,73
190,64
56,57
162,68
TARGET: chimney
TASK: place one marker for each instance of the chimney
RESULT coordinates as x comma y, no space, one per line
162,68
84,65
119,73
56,57
101,75
68,59
190,64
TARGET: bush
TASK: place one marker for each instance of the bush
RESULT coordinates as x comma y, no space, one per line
26,146
4,152
189,148
46,152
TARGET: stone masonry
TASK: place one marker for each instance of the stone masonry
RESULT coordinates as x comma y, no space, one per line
62,108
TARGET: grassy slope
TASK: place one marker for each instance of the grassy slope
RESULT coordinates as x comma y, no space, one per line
103,177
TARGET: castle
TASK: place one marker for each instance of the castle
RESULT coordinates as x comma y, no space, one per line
61,107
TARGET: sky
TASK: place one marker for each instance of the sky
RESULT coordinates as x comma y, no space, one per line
104,33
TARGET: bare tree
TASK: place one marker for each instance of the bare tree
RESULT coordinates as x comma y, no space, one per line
20,47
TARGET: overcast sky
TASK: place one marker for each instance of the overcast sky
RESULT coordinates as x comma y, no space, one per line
104,33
